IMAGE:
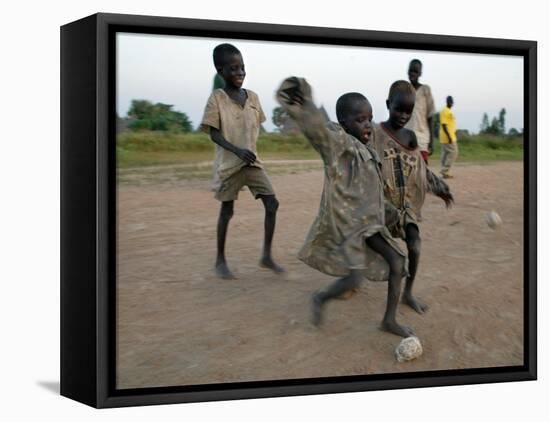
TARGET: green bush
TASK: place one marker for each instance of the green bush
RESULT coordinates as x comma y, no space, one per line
157,117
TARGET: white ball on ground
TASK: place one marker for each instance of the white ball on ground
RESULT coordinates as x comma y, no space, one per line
493,220
408,349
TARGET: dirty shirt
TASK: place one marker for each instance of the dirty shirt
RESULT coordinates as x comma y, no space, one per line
352,201
238,124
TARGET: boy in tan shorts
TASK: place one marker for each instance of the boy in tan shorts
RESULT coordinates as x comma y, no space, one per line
233,116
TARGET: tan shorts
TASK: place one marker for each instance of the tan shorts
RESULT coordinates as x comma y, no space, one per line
254,177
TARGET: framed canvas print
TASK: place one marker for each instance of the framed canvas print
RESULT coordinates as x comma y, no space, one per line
253,210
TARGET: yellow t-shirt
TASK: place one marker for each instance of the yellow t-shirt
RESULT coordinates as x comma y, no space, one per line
446,117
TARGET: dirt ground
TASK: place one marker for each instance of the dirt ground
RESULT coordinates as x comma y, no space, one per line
177,324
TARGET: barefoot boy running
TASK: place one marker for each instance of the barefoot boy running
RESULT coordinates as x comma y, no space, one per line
348,238
406,177
233,116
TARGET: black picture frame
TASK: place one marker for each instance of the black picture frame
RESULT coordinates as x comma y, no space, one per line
88,208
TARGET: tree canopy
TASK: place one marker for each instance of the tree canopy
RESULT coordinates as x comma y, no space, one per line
146,115
497,125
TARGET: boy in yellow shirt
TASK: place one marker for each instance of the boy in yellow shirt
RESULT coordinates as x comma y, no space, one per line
447,137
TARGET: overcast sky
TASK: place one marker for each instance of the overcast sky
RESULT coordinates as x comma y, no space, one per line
179,71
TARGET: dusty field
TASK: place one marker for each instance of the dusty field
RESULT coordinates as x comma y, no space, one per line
177,324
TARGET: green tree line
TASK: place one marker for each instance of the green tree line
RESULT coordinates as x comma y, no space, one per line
144,115
495,126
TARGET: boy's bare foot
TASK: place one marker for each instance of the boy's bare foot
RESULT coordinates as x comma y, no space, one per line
409,299
316,310
223,271
395,328
267,262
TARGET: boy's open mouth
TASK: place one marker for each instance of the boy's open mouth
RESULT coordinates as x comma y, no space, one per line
366,136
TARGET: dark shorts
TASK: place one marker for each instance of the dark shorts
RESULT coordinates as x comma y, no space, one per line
254,177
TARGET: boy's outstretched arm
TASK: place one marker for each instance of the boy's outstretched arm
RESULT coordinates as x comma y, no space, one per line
244,154
438,187
295,97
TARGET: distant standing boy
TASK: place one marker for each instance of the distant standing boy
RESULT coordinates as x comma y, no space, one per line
233,116
421,121
406,178
448,139
349,237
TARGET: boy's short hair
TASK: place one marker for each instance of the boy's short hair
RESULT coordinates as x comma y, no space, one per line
345,102
415,61
400,87
221,52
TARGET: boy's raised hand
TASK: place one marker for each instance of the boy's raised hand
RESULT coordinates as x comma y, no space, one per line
294,93
246,155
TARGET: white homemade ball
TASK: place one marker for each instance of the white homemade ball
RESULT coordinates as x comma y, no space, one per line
409,349
493,220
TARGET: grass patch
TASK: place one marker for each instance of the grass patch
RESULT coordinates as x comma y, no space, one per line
485,148
148,148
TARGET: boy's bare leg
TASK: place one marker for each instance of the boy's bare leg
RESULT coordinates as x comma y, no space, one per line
396,262
412,237
271,205
226,212
335,290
